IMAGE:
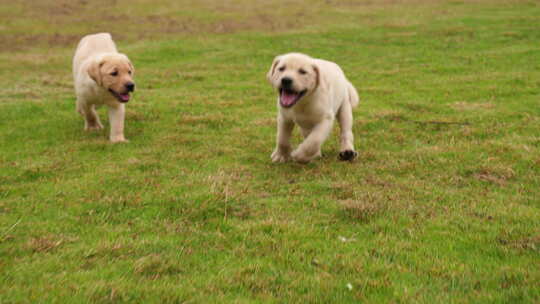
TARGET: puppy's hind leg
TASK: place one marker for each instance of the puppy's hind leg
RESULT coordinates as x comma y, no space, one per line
345,118
91,119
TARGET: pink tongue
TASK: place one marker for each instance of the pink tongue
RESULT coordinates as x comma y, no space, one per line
287,99
124,97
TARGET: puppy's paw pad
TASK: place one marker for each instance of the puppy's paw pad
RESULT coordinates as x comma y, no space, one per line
347,155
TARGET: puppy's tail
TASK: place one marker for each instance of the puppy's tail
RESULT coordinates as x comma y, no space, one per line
353,95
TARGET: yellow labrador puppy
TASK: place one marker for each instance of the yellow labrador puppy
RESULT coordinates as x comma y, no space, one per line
102,77
312,93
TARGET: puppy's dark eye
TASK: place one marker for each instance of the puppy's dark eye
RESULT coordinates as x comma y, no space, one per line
281,69
129,72
115,73
302,71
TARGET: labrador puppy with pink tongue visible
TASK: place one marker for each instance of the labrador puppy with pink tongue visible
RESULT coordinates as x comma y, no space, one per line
312,93
102,76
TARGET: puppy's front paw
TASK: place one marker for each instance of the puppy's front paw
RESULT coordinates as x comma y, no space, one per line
117,140
93,127
300,157
347,155
279,157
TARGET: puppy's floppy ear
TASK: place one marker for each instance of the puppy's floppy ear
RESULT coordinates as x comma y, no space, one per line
94,71
273,68
317,75
131,67
320,81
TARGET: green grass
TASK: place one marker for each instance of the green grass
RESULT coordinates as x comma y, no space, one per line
442,205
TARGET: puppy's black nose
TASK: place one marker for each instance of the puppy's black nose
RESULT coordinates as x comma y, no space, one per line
130,86
286,82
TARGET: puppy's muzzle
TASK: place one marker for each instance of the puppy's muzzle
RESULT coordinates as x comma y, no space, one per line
130,86
286,83
288,96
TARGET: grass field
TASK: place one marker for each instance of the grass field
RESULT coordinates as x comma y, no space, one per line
442,204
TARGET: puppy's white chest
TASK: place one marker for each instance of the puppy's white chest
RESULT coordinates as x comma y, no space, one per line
305,121
309,117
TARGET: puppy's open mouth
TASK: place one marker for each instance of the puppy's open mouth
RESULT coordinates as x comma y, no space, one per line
288,98
120,97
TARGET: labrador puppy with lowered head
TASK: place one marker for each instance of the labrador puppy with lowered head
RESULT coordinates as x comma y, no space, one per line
102,77
312,93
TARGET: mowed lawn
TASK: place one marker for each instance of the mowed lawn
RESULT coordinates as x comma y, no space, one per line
442,204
